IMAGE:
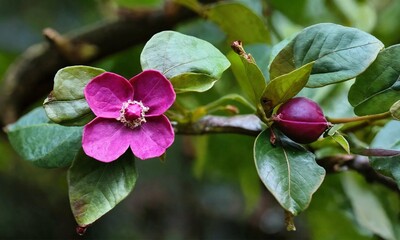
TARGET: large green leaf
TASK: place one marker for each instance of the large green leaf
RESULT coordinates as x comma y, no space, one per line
288,170
45,144
388,138
378,88
246,26
95,187
368,210
284,87
340,53
66,104
192,64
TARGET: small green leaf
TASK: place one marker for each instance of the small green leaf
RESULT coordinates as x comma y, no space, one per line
95,187
66,104
44,144
388,138
395,110
248,75
341,140
246,26
284,87
378,88
175,54
340,53
288,170
368,210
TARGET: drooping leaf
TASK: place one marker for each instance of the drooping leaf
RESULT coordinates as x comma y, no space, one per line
246,26
340,53
367,208
378,88
388,138
341,140
45,144
288,170
95,187
395,110
198,62
284,87
248,75
66,104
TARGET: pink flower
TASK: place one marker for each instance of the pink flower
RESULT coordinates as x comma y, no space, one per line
128,114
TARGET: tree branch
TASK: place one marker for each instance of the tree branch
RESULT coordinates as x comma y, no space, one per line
30,77
251,125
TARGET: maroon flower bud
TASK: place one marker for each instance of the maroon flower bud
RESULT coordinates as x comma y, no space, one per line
301,119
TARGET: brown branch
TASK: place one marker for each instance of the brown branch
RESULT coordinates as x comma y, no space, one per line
249,125
30,77
359,164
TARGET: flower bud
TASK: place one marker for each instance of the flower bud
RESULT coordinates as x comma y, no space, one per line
301,119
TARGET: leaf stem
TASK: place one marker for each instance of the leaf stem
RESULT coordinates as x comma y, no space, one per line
373,117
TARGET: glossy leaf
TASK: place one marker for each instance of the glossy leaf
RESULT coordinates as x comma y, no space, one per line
378,88
249,77
288,170
45,144
95,187
284,87
180,57
388,138
340,53
368,210
246,26
66,104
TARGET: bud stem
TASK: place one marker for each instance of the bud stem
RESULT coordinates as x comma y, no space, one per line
373,117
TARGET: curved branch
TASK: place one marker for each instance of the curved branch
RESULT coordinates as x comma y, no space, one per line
30,77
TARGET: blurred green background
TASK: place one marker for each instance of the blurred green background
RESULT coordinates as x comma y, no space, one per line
206,189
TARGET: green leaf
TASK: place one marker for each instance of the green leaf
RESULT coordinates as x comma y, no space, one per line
387,138
66,104
190,63
340,53
248,75
395,110
368,210
246,26
288,170
341,140
284,87
95,187
378,88
44,144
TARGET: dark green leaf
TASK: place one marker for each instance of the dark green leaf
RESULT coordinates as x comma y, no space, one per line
284,87
95,187
378,88
246,26
176,54
388,138
66,104
288,170
45,144
340,53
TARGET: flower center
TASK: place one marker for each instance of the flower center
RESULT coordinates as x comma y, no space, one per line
132,113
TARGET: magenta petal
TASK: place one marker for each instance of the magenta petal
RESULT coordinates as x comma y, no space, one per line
154,90
105,139
152,138
106,93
